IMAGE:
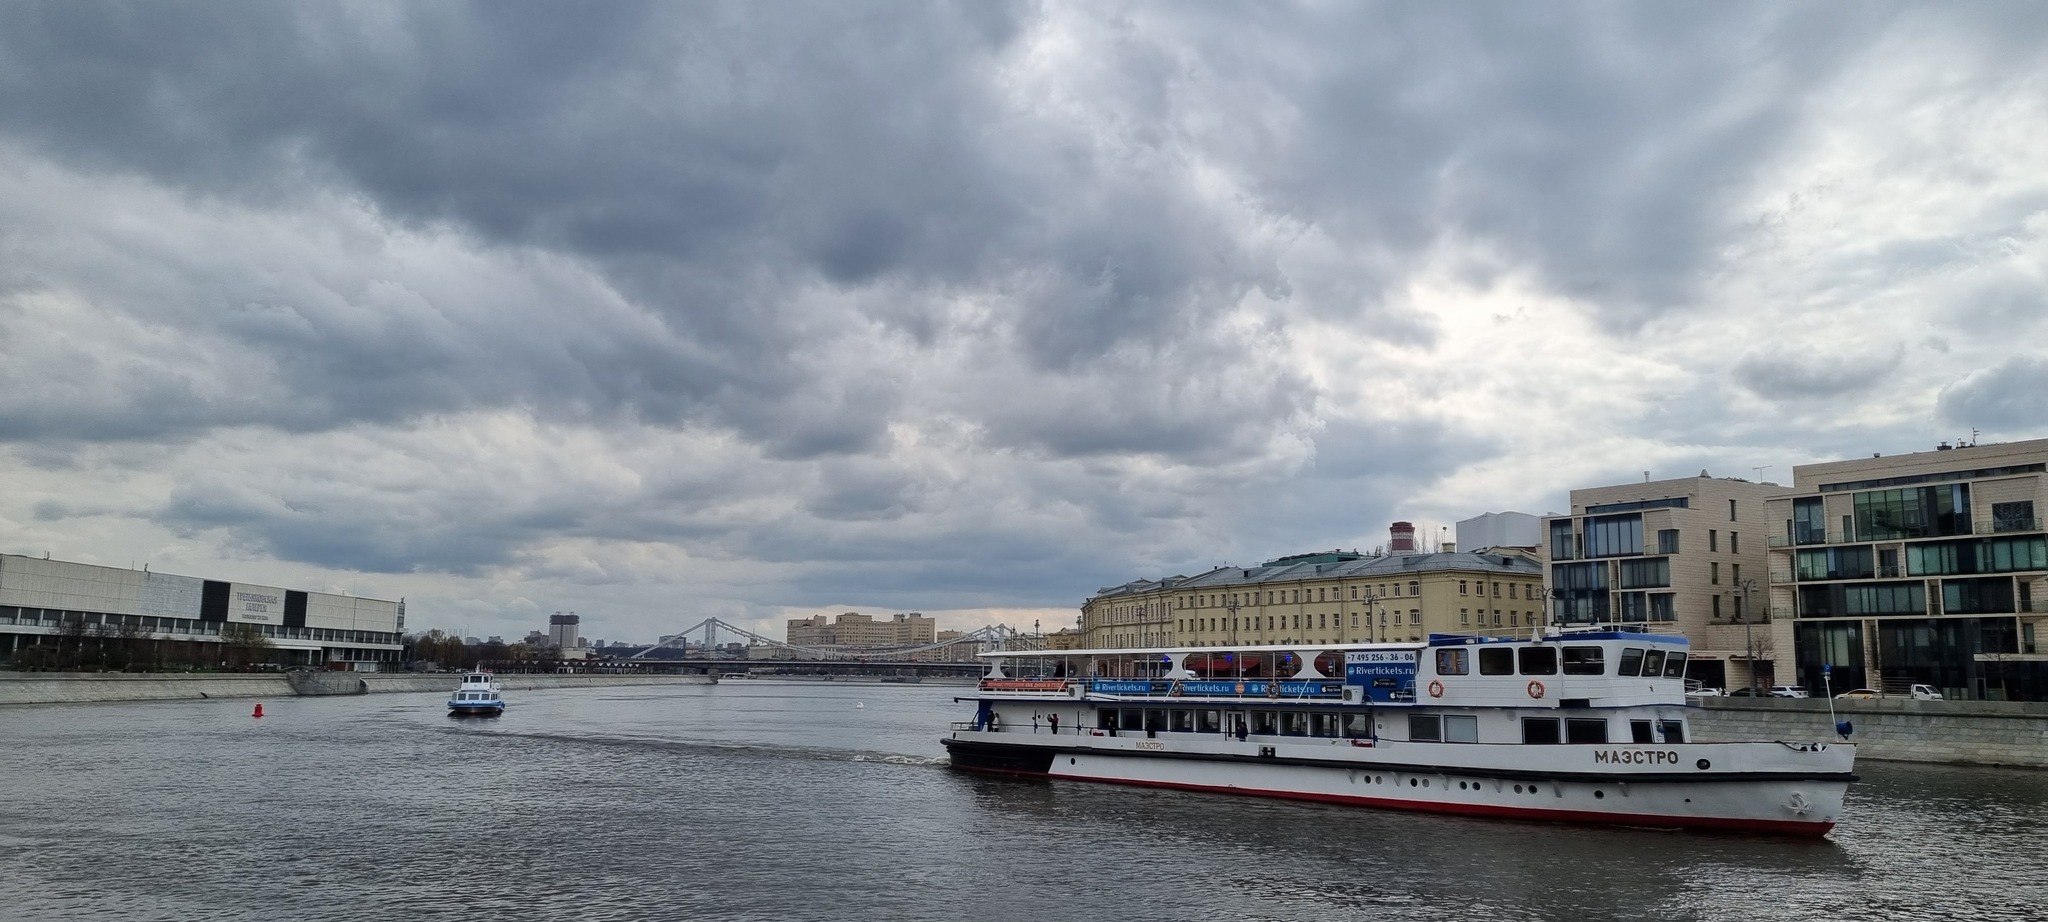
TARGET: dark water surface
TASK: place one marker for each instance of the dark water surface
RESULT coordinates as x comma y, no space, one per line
771,800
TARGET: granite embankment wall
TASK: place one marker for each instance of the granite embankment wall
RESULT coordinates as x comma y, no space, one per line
1893,729
71,687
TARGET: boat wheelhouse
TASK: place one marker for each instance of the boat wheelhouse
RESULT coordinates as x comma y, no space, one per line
1590,726
478,696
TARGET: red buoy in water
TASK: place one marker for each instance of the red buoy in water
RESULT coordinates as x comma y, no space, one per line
259,711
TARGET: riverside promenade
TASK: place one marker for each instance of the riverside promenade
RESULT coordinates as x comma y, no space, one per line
22,688
2007,733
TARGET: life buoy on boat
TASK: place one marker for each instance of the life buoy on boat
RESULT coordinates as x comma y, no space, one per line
1174,691
1273,689
1535,689
1436,689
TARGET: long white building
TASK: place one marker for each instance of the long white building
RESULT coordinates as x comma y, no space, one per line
39,596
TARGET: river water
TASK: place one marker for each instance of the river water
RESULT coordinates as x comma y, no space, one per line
771,800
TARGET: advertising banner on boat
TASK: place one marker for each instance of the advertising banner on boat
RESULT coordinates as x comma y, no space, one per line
1386,675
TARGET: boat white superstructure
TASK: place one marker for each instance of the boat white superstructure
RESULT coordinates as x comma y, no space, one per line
1587,727
479,695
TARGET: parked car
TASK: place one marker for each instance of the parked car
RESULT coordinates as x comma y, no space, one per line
1861,693
1787,691
1749,693
1926,693
1704,693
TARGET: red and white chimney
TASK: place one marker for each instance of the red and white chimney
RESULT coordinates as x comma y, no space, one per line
1403,538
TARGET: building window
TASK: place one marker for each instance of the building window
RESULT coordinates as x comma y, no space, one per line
1714,573
1461,587
1511,590
1496,590
1414,587
1731,510
1354,593
1734,543
1464,616
1667,540
2018,516
1713,540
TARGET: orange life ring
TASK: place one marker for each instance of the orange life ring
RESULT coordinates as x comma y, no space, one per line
1436,689
1535,689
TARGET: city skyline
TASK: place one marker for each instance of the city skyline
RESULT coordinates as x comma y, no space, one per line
659,314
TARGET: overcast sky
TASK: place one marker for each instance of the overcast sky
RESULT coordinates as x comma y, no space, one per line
657,312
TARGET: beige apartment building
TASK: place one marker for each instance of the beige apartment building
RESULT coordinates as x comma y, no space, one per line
853,629
1929,567
1688,556
1324,598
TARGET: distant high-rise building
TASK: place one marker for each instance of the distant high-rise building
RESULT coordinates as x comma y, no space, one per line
562,634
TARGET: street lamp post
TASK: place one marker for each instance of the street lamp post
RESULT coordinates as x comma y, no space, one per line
1748,646
1230,606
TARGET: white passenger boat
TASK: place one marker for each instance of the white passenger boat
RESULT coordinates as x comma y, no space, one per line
1581,727
478,695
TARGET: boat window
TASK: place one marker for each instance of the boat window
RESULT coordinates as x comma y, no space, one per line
1653,664
1584,661
1631,661
1639,730
1674,665
1265,723
1461,728
1210,721
1293,725
1585,730
1325,725
1425,728
1539,731
1452,662
1105,719
1674,731
1130,719
1496,661
1358,726
1155,721
1539,660
1183,721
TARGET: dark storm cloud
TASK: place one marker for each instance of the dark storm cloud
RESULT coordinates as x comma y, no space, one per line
2006,399
1601,145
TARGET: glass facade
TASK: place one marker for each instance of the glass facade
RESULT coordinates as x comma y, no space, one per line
1614,535
1837,563
1914,512
1988,555
1581,592
1809,521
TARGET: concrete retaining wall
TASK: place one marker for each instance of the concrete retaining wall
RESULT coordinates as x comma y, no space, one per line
71,687
1892,729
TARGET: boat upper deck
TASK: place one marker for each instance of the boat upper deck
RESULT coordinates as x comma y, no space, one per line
1579,669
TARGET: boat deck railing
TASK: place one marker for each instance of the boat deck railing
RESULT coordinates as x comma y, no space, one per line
1246,688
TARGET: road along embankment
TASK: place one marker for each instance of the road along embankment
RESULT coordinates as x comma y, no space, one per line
76,687
2011,733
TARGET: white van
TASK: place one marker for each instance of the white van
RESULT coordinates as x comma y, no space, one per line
1925,693
1787,691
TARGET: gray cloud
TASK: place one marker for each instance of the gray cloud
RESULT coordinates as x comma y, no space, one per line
2005,400
937,304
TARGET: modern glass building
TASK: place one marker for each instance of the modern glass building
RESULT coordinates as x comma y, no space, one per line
1922,568
1684,555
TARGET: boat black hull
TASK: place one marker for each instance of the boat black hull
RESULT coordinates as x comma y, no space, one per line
977,756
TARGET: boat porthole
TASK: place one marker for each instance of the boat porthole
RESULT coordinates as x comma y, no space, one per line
1070,760
1688,800
1703,764
1518,789
1379,779
1412,782
1461,785
1425,782
1599,794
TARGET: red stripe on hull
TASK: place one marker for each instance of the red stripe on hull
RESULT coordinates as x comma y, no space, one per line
1776,827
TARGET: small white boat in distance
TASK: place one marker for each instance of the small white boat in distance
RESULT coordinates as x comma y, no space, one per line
478,695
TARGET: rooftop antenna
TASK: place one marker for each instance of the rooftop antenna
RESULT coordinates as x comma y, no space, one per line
1646,476
1760,469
